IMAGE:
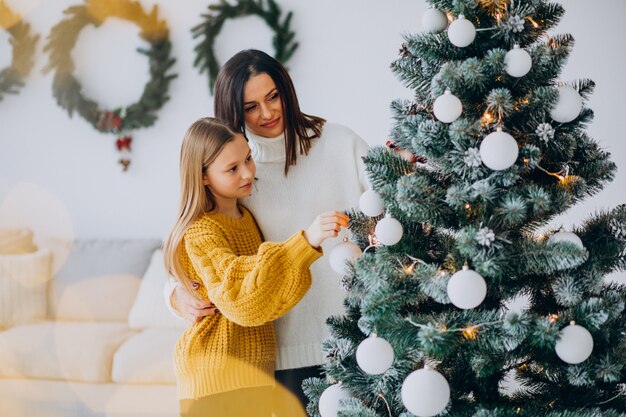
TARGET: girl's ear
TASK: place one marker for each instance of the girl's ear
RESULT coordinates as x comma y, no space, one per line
205,180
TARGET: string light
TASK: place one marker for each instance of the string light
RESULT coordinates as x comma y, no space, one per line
487,118
470,333
374,242
380,395
409,269
554,174
553,318
535,24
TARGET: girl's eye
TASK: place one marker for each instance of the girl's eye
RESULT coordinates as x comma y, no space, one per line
233,169
249,109
248,159
274,96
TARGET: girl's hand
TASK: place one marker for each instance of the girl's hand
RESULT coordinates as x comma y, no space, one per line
324,226
190,307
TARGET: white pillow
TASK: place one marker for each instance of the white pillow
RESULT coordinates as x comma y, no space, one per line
100,298
149,309
23,287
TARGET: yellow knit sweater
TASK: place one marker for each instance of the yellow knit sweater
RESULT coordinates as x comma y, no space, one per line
251,283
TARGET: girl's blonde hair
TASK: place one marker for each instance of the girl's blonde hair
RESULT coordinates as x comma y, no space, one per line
203,142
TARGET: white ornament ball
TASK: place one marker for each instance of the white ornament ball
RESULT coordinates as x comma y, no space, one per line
517,62
374,355
425,392
467,289
341,254
563,236
434,21
461,32
498,150
388,230
447,107
370,204
329,400
575,344
568,105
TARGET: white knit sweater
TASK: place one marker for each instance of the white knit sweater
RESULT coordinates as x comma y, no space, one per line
330,177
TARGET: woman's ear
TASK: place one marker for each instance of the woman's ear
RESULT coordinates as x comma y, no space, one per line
205,180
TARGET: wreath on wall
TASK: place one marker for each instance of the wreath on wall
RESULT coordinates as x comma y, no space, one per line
23,44
218,14
67,90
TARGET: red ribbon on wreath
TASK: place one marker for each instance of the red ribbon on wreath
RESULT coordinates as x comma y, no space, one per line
113,122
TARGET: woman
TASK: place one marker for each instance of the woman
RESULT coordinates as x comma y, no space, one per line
295,153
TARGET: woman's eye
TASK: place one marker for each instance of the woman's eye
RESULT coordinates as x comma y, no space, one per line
249,109
274,96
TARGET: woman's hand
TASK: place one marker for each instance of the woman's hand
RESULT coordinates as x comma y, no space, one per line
325,226
190,307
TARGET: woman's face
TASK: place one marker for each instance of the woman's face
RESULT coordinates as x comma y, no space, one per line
262,107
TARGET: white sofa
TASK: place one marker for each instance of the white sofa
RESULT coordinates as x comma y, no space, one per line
93,339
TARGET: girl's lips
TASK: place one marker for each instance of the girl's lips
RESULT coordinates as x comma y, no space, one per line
248,185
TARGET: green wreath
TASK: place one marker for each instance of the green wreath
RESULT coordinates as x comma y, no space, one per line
67,89
283,40
12,77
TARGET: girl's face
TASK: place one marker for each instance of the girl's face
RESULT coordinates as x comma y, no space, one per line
231,174
262,107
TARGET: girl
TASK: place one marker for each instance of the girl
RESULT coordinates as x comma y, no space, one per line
225,363
295,154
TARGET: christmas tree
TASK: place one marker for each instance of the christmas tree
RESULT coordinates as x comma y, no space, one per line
430,324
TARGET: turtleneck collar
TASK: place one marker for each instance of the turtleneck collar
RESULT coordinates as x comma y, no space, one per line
267,149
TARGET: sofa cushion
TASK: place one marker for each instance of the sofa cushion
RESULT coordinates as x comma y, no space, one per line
91,298
97,257
59,350
23,287
147,358
149,309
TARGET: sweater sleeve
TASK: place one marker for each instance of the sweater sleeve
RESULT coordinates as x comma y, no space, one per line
253,290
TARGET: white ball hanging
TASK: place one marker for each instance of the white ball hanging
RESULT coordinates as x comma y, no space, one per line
498,150
374,355
461,32
388,230
370,204
568,105
329,400
467,288
563,236
425,392
517,62
447,107
341,254
434,20
575,344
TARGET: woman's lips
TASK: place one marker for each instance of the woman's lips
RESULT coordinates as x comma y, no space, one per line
270,124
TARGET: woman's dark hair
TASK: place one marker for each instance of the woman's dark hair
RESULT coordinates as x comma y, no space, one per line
229,105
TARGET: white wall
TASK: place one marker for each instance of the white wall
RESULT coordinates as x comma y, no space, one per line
341,72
